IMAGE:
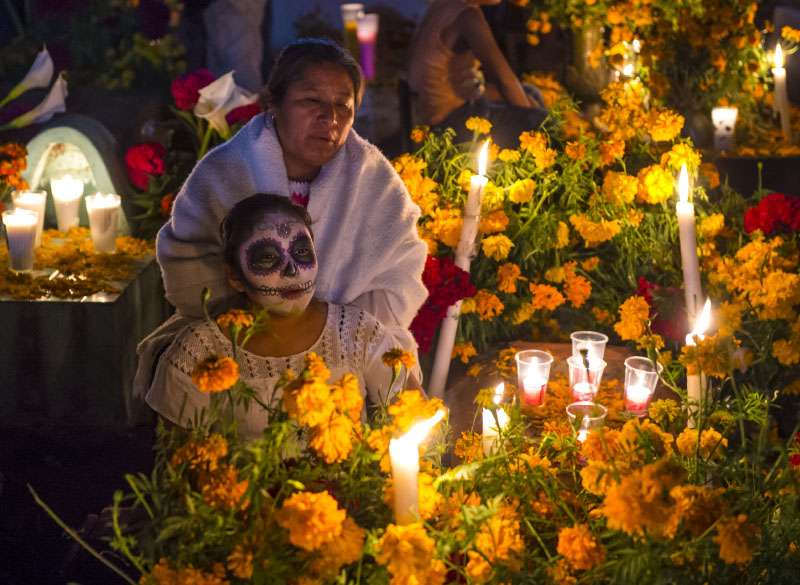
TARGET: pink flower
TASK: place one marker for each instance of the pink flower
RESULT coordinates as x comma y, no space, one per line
144,160
185,88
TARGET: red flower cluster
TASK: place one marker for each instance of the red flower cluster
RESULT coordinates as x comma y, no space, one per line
667,310
446,284
186,87
143,160
773,212
243,114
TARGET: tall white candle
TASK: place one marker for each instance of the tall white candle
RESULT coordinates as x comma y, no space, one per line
492,428
696,385
103,210
67,193
32,201
780,100
465,251
404,455
688,236
20,236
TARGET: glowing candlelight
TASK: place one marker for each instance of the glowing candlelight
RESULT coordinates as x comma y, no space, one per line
688,237
492,429
533,371
404,454
641,378
20,237
103,210
695,385
67,193
780,100
32,201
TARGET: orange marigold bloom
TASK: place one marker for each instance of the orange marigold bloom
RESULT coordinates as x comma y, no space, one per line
664,125
312,519
545,297
397,358
711,444
590,263
308,401
580,547
611,151
496,221
410,407
737,539
507,276
594,233
487,305
577,289
464,351
215,373
575,150
201,452
679,154
619,188
332,440
235,317
633,316
406,551
221,487
469,447
480,125
420,133
656,184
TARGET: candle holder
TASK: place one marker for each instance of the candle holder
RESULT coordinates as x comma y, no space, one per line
367,32
67,192
724,120
584,377
103,210
641,378
351,14
20,238
533,371
592,342
588,416
32,201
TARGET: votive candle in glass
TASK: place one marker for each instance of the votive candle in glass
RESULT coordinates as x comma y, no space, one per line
533,371
590,416
67,192
20,237
584,377
641,378
103,210
592,342
32,201
367,31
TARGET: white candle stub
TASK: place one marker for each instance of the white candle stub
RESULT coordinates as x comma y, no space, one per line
32,201
20,236
103,210
534,389
67,192
636,399
583,391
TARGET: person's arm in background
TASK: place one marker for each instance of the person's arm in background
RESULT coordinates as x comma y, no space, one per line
472,26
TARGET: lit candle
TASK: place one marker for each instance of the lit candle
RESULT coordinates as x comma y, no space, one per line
686,229
696,385
463,257
404,454
367,32
724,120
533,388
492,428
67,193
583,391
780,99
636,399
32,201
103,210
20,236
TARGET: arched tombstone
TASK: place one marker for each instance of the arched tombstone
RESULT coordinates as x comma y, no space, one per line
82,147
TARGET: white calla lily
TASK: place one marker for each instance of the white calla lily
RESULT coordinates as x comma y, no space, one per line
52,104
218,99
39,75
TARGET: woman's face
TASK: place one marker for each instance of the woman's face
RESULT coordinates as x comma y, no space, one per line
314,119
278,265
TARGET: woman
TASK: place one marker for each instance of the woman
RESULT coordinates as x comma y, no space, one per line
270,260
303,147
451,43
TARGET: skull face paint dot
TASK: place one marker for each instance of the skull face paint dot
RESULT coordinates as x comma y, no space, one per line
278,264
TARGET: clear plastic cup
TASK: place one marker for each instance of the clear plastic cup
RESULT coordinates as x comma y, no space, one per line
593,342
367,32
67,192
590,416
103,211
32,201
351,14
641,378
533,372
20,230
584,377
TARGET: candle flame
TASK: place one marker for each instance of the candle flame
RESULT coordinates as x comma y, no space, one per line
778,58
683,184
416,434
701,325
483,157
637,45
628,70
499,390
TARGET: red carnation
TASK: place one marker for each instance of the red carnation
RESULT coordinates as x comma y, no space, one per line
185,88
143,160
773,212
243,114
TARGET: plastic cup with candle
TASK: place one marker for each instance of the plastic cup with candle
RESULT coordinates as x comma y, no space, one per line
533,372
351,14
404,455
724,120
584,377
32,201
641,378
367,31
592,342
67,192
103,210
588,416
20,236
492,427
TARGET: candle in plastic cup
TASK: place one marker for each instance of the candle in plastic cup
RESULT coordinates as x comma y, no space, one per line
32,201
593,342
351,14
67,192
103,210
367,31
591,416
20,237
533,371
641,377
584,381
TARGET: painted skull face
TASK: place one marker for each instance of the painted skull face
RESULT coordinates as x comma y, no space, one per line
278,264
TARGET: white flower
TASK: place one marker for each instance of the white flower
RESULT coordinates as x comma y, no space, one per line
218,99
52,104
39,75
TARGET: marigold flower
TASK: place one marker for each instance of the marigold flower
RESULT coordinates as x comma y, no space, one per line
577,289
496,221
664,125
346,396
679,154
545,297
332,439
215,373
664,411
397,358
312,519
498,541
714,354
610,151
308,401
580,547
737,539
497,247
508,155
575,150
791,34
487,305
633,316
240,560
410,407
562,235
787,351
479,125
464,351
221,487
340,551
507,275
711,443
235,317
656,184
378,441
201,453
636,436
420,133
696,508
619,188
594,233
406,551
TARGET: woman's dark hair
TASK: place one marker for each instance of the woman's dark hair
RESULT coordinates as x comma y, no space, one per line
238,225
296,57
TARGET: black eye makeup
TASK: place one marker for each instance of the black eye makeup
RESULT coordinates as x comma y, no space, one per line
302,251
264,256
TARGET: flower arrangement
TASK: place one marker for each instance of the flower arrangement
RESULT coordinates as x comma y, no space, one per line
311,499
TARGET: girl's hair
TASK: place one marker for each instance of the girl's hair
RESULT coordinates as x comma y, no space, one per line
238,225
296,57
